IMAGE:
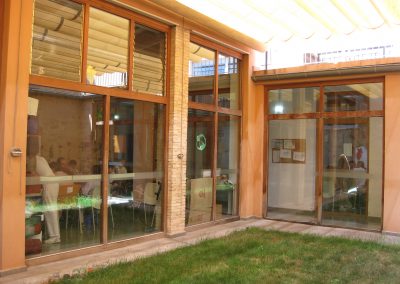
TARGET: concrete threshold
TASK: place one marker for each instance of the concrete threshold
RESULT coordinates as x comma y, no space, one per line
56,270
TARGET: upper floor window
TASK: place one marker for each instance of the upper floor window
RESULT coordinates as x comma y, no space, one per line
213,77
112,50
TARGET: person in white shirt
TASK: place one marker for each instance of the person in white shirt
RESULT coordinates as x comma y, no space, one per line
49,195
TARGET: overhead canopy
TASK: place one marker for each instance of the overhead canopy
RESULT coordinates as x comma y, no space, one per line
286,20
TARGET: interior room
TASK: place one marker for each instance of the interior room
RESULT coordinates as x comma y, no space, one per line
64,171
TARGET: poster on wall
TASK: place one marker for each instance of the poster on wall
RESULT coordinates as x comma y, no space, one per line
288,151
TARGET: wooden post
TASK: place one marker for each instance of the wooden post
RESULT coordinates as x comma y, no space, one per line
14,82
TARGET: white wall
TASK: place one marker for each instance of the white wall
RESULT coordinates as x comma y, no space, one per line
292,186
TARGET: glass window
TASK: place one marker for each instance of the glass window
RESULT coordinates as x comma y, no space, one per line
297,100
136,168
201,74
227,165
149,61
355,97
292,167
352,175
63,168
228,82
108,42
56,40
199,182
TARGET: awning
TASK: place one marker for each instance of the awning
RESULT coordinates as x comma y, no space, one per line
285,20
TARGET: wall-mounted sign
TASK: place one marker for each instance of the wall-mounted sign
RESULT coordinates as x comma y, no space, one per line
201,142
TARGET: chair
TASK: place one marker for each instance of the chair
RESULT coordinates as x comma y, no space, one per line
96,204
329,191
67,199
151,196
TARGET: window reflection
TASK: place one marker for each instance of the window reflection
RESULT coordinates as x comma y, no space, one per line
227,165
355,97
199,167
297,100
228,82
56,39
352,177
292,167
149,61
108,42
63,160
136,158
201,74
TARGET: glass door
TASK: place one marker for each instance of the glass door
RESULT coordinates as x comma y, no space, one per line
325,154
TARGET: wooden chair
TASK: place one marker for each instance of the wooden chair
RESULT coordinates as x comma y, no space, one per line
68,199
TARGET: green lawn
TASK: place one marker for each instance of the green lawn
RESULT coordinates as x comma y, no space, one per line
258,256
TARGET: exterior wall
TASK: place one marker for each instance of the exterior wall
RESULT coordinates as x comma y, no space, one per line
391,210
178,113
13,105
15,62
14,83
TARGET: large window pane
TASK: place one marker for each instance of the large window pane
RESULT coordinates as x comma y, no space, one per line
201,74
136,160
352,176
107,50
63,169
354,97
292,167
298,100
227,165
56,40
228,82
149,61
199,167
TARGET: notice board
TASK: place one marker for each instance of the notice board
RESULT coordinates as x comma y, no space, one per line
291,151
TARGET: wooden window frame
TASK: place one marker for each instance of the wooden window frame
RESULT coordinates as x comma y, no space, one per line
107,94
133,18
215,109
320,115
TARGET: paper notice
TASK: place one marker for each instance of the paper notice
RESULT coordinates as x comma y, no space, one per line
299,156
276,156
288,144
285,154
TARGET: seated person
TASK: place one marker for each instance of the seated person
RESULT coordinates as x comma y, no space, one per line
121,169
73,167
138,193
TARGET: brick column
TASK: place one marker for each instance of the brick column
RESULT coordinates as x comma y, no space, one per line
177,132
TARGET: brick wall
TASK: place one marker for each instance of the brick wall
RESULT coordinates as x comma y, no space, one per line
177,121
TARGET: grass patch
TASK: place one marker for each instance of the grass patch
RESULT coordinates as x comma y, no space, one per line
258,256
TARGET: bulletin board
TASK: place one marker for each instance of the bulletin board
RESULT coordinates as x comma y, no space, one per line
291,151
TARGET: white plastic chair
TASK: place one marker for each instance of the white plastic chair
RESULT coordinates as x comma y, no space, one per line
151,194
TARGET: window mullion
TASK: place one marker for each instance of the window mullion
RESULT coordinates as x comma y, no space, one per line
85,40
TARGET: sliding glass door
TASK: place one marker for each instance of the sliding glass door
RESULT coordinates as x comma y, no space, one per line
325,153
